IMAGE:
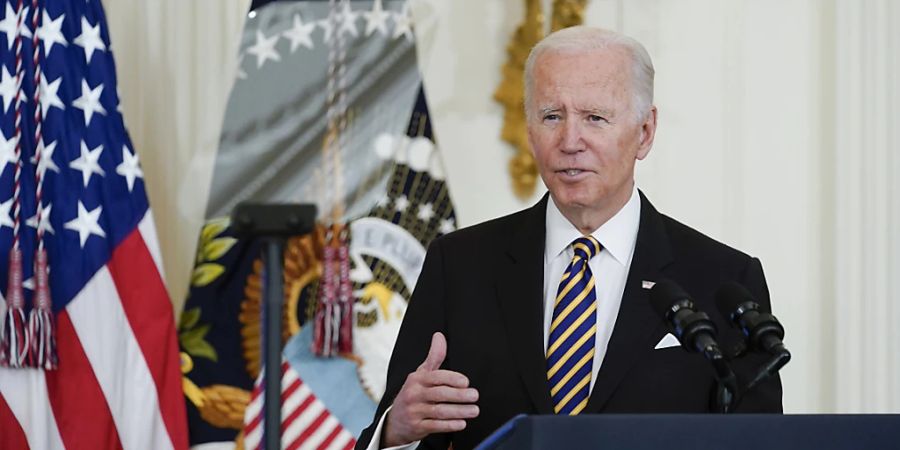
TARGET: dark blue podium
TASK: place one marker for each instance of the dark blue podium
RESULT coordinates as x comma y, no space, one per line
692,432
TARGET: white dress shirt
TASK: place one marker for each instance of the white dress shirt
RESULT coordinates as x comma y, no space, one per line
617,238
610,267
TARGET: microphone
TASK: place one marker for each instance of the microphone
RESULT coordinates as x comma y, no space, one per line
697,333
694,329
762,330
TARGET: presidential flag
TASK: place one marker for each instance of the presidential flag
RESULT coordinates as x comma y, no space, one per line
89,347
327,108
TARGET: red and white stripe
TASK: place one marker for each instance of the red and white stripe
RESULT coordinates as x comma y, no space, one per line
306,424
118,384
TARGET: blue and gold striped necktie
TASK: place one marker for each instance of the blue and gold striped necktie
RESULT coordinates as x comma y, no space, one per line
570,347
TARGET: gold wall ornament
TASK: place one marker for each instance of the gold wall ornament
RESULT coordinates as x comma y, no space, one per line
511,91
510,94
567,13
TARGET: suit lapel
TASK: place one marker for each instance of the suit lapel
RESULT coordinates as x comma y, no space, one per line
520,290
636,322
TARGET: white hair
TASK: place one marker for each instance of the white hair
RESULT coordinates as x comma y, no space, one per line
585,39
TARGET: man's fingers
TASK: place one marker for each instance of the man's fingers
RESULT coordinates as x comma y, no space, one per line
443,378
430,426
448,411
434,400
446,394
436,353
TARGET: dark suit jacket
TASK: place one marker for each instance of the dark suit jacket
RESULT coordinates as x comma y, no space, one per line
482,287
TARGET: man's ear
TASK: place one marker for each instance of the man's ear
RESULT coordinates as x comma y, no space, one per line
530,137
648,133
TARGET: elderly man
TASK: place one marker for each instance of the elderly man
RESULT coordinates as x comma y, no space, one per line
546,311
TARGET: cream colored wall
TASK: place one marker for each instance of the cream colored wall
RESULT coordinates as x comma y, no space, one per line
776,136
751,149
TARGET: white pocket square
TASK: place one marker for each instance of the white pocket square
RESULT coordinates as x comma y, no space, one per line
669,340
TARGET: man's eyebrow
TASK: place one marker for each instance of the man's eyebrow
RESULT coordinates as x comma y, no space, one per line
590,110
548,109
597,110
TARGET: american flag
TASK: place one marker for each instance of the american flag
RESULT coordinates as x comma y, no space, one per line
305,421
64,147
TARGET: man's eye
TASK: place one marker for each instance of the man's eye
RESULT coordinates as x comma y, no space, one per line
597,119
553,117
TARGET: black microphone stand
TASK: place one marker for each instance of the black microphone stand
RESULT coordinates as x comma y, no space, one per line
273,224
726,383
780,357
699,332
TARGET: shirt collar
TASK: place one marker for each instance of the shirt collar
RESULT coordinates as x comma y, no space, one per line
617,235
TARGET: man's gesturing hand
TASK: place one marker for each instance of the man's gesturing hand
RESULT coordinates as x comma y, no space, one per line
430,401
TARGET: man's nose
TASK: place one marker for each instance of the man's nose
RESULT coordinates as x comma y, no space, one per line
572,138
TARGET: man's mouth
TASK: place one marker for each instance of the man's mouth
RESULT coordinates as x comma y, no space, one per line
572,172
